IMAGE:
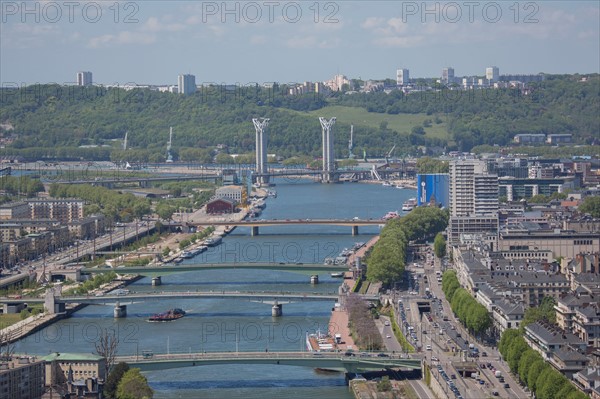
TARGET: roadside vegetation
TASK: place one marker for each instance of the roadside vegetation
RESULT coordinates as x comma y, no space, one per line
386,260
91,284
362,324
473,315
533,371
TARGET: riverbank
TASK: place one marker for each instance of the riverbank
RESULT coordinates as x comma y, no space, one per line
35,323
339,322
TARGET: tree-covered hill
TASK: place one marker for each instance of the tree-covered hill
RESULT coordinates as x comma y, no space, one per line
52,121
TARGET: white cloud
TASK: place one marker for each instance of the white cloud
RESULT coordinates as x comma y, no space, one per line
154,25
124,37
258,39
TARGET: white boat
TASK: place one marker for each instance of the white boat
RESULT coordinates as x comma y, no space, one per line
409,205
387,184
337,275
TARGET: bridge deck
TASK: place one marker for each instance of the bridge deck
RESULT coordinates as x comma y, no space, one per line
329,360
145,270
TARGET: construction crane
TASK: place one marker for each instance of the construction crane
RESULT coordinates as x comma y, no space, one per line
169,156
351,143
389,154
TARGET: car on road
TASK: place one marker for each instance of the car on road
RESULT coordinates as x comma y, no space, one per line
383,355
435,359
388,336
387,323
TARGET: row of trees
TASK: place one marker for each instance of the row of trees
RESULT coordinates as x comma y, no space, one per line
386,261
471,313
362,324
19,185
92,284
539,376
114,205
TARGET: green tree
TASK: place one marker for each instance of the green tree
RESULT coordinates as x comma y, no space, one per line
439,245
591,205
113,379
527,359
432,165
517,347
535,370
134,385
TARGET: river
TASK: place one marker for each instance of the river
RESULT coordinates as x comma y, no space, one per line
233,325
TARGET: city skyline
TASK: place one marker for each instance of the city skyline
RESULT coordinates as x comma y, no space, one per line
253,42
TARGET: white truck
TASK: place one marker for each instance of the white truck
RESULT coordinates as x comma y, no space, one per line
498,374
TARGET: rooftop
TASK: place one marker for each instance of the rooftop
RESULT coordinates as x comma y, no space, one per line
72,357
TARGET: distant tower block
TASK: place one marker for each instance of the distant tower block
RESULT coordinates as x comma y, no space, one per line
261,149
328,153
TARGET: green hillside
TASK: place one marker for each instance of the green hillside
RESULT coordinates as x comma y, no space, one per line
401,123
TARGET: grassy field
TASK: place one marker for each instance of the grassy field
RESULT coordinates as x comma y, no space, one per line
402,123
12,318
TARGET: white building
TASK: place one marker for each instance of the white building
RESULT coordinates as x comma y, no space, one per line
473,199
84,78
402,77
492,74
186,84
447,75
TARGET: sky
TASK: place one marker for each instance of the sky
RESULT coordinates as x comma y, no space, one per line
151,42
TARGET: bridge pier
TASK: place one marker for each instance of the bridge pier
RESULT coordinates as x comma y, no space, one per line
254,231
156,281
314,279
120,311
354,230
277,310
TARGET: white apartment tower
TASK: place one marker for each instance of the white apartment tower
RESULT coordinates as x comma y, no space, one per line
402,77
186,84
84,78
492,74
473,200
473,191
447,75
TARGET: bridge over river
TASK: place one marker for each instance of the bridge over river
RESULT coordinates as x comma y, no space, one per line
151,270
326,360
254,224
121,298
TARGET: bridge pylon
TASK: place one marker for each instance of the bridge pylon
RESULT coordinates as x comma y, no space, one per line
260,125
328,151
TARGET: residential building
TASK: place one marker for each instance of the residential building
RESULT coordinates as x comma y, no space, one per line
507,314
402,77
492,74
588,380
22,377
84,79
186,84
473,199
14,210
63,210
447,75
563,350
473,191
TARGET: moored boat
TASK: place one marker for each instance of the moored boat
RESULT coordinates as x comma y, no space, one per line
337,274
